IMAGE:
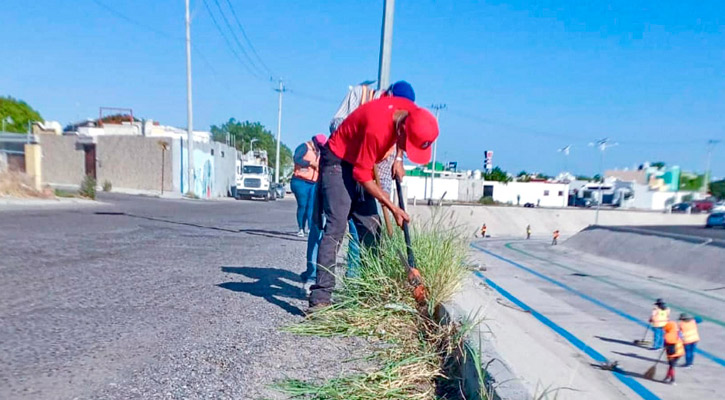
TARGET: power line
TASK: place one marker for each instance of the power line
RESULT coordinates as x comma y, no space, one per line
246,38
236,39
124,17
229,44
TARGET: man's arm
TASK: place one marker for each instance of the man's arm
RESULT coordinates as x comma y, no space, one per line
372,188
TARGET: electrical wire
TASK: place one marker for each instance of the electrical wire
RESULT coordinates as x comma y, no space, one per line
246,38
258,71
229,44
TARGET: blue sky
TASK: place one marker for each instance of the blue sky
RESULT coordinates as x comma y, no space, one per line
521,78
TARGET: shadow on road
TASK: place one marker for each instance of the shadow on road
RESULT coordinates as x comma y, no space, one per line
637,356
255,232
618,341
268,285
619,370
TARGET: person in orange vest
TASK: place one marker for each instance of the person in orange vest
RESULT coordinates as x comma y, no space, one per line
658,320
528,232
674,349
555,241
304,179
690,337
483,231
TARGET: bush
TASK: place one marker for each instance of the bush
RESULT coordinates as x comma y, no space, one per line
487,200
107,186
88,187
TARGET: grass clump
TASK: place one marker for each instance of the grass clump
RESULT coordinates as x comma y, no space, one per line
107,186
415,350
88,187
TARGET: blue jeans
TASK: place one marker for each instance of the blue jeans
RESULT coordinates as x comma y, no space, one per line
690,353
313,243
304,194
659,339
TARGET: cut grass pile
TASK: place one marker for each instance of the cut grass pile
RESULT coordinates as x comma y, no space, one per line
414,351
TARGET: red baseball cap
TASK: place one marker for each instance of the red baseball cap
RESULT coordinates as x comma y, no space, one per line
421,130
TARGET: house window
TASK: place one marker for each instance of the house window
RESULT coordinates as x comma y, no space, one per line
487,190
561,193
212,151
546,192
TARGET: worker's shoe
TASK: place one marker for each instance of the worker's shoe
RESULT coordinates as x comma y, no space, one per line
317,308
301,233
307,285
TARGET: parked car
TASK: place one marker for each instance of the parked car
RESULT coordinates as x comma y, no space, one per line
681,208
702,206
279,190
719,207
583,202
715,219
529,205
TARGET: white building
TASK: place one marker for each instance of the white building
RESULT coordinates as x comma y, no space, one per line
148,128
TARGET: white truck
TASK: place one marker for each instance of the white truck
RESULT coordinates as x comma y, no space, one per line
254,178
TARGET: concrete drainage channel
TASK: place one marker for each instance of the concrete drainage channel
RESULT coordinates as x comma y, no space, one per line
491,380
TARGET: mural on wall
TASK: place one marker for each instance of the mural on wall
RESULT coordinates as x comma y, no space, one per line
203,173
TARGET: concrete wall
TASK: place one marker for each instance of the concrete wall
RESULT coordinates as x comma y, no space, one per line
133,162
62,160
419,187
214,168
540,193
503,221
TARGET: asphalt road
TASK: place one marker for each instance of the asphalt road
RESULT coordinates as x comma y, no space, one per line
150,298
605,304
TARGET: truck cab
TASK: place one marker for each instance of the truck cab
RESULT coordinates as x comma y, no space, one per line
254,177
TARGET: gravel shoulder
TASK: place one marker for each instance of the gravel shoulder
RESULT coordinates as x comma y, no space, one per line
172,299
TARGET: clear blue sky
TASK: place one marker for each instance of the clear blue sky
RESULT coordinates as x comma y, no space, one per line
522,78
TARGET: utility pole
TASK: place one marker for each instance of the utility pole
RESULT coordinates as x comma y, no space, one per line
602,144
189,113
437,108
386,45
565,150
710,147
280,90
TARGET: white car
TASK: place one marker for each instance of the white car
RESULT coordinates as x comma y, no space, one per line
719,206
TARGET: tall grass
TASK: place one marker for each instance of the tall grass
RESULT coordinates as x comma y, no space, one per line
378,304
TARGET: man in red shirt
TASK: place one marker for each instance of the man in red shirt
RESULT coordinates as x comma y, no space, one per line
347,183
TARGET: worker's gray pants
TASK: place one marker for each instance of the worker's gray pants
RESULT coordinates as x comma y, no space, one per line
342,198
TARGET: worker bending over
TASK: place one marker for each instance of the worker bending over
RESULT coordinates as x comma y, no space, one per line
555,240
347,181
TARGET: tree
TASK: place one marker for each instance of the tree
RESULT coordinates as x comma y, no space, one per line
717,189
583,178
16,114
691,182
497,174
658,164
244,132
542,176
523,176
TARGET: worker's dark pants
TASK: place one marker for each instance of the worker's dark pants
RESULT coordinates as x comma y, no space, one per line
342,198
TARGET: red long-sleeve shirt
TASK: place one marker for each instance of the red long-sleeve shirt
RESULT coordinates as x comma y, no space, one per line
365,136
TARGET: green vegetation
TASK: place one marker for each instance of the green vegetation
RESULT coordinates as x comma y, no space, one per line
88,187
64,193
414,352
16,114
107,186
497,174
717,188
691,182
244,132
487,200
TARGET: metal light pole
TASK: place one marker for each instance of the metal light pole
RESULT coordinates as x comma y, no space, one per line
565,150
437,108
602,144
189,111
386,45
710,147
281,90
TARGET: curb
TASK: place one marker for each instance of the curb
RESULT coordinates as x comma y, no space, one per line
499,382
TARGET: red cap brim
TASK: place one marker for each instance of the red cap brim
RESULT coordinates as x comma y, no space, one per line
417,155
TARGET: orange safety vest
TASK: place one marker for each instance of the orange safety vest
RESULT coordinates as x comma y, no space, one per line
672,338
556,234
308,173
689,332
660,317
